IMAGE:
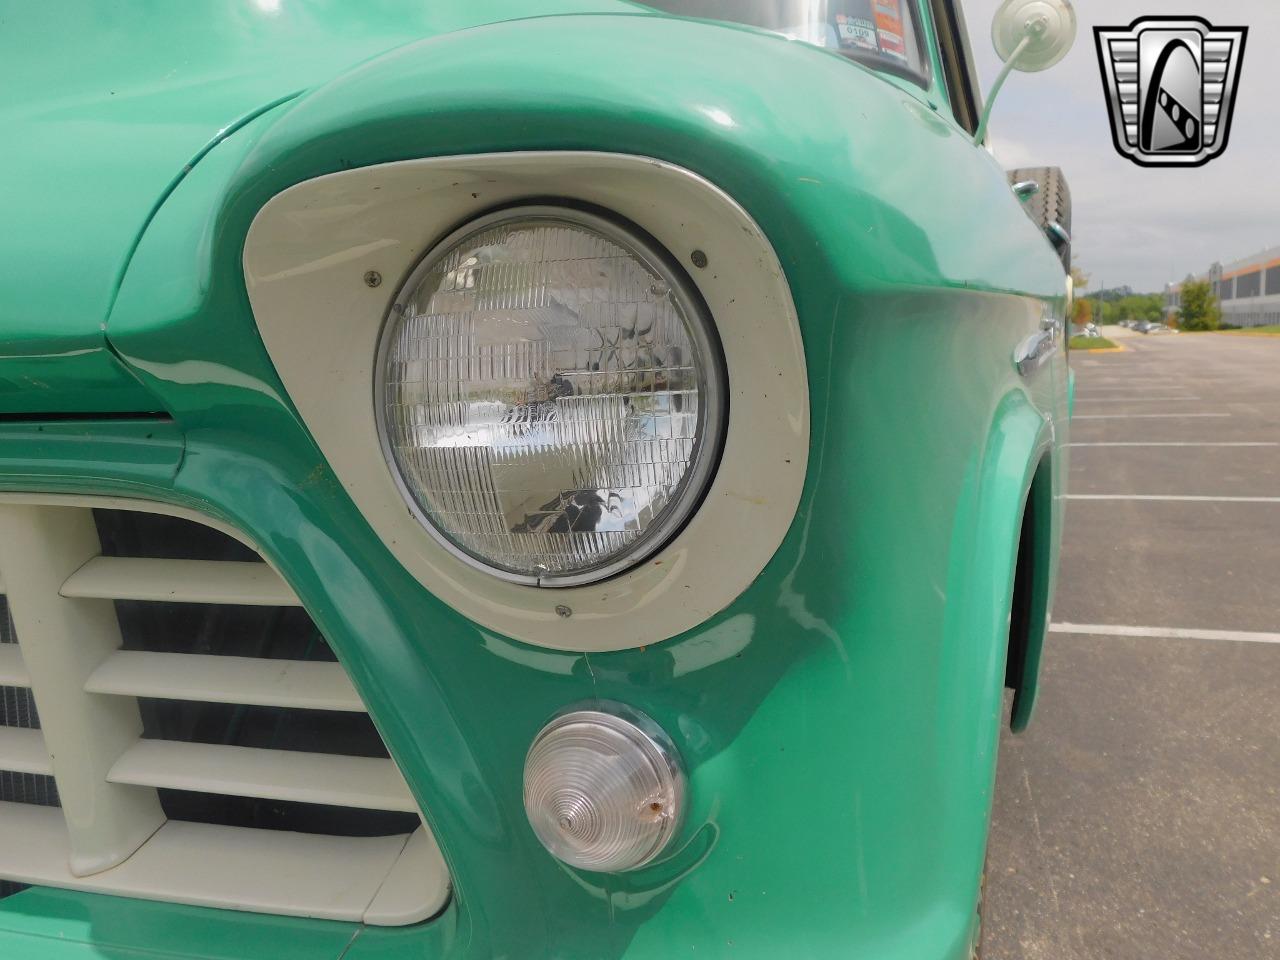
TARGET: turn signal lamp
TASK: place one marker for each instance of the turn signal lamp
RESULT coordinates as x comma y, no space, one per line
604,789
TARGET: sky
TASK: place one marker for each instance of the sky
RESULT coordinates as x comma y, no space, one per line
1134,225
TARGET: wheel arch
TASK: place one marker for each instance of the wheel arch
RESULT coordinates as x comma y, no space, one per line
1032,589
1018,537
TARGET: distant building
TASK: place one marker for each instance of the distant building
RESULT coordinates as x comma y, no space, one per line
1248,289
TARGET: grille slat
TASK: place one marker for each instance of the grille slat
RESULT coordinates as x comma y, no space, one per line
13,670
22,750
189,581
367,783
189,690
266,871
225,679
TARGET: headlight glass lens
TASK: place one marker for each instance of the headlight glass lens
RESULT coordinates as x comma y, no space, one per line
550,396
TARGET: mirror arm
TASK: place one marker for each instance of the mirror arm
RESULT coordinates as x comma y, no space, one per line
981,133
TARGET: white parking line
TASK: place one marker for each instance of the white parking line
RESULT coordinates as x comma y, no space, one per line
1144,496
1133,399
1179,443
1144,416
1167,633
1142,383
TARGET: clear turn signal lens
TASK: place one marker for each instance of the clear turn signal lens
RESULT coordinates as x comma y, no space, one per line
604,789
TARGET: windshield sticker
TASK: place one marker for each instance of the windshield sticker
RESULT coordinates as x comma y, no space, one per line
889,26
856,32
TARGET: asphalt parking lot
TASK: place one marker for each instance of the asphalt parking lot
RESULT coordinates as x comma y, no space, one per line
1139,817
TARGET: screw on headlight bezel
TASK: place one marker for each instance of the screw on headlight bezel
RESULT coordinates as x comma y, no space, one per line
712,385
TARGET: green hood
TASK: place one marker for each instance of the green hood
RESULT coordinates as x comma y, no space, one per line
108,106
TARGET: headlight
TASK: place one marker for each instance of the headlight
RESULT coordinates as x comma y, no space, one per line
550,396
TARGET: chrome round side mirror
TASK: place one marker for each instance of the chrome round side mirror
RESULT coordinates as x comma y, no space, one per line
1033,35
1029,35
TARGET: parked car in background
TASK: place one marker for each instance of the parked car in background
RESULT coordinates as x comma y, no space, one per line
536,478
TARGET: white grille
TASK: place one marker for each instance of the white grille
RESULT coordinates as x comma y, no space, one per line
111,834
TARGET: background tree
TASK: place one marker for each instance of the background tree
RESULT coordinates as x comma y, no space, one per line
1148,307
1081,308
1200,309
1136,307
1081,311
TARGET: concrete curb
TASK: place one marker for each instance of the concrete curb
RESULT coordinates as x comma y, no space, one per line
1116,349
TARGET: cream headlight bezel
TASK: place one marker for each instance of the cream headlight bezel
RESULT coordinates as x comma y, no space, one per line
323,261
711,376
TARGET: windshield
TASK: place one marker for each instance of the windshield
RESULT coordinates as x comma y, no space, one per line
879,33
